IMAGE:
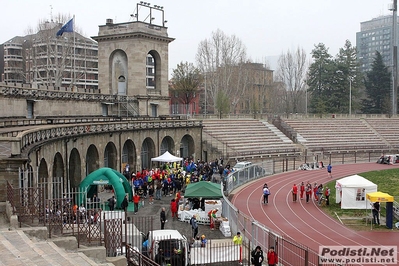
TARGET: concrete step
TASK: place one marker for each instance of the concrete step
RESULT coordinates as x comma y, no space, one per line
17,252
18,249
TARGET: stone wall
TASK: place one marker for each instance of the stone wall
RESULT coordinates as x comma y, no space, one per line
66,155
131,43
13,107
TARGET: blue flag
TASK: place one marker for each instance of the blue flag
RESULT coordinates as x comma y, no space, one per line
68,27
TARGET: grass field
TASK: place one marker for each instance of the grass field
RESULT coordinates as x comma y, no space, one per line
387,182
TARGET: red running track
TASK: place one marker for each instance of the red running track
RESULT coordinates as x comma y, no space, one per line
306,222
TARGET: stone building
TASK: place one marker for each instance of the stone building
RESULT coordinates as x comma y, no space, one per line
126,52
44,60
375,35
49,134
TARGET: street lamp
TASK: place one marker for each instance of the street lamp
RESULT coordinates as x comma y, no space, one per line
350,96
306,101
350,93
350,90
394,49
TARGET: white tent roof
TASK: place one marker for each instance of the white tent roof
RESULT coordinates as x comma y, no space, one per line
355,181
167,158
351,191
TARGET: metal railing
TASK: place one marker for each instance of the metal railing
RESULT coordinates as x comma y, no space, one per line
136,258
24,139
290,252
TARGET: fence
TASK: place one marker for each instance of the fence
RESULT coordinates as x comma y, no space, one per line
255,233
121,232
135,257
90,223
27,203
284,164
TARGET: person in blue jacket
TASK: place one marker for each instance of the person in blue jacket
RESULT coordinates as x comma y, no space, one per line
329,168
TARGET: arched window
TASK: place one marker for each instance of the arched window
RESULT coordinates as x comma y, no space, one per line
150,72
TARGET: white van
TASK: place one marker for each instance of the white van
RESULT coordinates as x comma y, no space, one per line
167,241
241,165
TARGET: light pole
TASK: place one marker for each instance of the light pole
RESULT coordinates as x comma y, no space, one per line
350,90
394,51
350,93
350,96
306,102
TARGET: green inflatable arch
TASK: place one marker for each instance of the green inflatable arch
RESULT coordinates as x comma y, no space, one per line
107,176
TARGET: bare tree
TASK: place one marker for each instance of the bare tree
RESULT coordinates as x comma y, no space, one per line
277,96
186,80
291,71
221,58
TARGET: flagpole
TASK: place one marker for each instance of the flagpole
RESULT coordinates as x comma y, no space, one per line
74,52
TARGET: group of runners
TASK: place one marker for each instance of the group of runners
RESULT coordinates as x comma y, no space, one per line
306,191
318,192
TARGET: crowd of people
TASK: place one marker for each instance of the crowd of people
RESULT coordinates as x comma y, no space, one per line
173,176
69,212
171,179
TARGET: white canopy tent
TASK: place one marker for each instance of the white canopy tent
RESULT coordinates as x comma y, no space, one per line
351,191
167,158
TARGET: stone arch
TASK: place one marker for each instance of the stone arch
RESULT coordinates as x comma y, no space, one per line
75,168
59,182
58,165
92,159
110,156
118,62
154,67
167,144
147,152
43,177
129,155
187,147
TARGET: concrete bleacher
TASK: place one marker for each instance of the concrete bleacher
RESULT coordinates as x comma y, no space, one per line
31,246
336,134
387,128
249,136
19,249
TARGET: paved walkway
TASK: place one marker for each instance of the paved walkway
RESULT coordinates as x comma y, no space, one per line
154,210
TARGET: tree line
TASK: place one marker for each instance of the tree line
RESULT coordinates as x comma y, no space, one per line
230,82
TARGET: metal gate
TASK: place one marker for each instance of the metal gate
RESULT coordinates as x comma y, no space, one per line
64,217
113,221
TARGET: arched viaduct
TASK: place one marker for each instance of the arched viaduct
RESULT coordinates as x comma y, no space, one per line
73,151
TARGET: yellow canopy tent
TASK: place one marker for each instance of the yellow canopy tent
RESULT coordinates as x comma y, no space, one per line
380,197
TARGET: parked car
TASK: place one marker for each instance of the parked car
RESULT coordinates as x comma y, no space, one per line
241,165
169,241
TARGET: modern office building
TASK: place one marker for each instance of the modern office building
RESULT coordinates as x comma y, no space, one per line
43,59
375,35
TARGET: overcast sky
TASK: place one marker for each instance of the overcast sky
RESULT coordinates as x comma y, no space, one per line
267,28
